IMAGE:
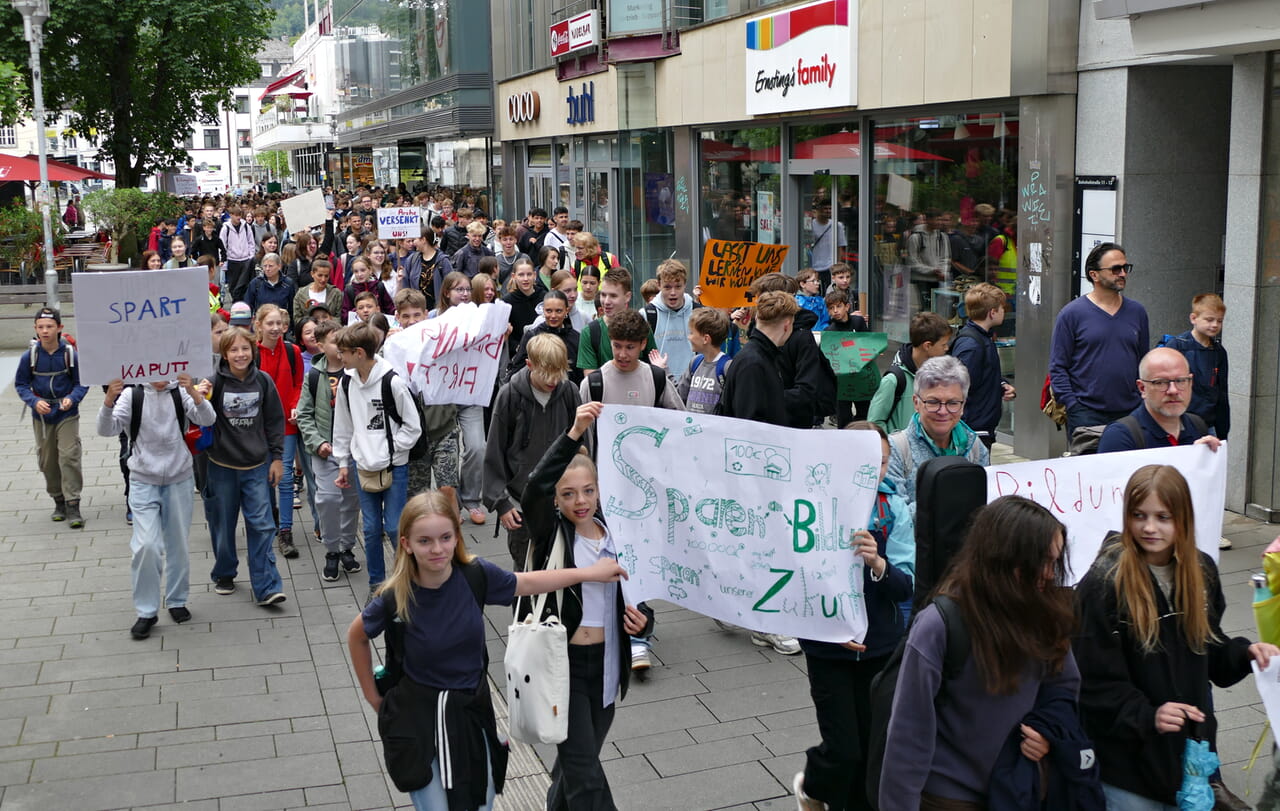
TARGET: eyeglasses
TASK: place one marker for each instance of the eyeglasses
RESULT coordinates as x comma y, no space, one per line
1164,382
952,406
1126,269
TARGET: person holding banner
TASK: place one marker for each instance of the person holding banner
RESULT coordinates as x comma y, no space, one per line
1150,641
562,499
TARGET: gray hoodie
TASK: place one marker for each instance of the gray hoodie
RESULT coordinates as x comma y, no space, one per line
159,455
250,421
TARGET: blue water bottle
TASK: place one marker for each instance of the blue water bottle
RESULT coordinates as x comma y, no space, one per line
1261,591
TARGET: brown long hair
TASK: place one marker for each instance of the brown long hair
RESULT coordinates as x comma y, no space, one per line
404,571
1018,611
1135,594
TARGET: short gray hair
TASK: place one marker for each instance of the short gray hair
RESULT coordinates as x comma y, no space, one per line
272,257
942,371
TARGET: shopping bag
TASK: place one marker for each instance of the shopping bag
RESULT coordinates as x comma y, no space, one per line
537,668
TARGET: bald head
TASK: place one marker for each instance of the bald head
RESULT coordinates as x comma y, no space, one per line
1166,359
1164,380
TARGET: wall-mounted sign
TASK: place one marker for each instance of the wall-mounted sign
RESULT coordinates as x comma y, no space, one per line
804,58
582,106
523,108
634,16
575,33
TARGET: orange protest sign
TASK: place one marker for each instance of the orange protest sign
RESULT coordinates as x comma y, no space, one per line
729,267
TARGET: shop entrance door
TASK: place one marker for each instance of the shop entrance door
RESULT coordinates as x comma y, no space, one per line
828,215
599,206
541,190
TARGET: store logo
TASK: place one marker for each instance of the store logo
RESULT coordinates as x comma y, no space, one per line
575,33
802,58
582,107
523,108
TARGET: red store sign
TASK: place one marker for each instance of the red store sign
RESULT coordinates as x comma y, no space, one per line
575,33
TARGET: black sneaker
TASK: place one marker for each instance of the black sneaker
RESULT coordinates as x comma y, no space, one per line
59,510
275,598
224,585
330,572
287,549
128,517
142,628
349,563
180,614
74,518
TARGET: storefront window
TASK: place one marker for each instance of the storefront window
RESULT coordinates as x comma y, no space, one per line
741,184
825,159
943,190
644,203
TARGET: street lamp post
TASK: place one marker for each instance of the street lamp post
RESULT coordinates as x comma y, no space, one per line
34,13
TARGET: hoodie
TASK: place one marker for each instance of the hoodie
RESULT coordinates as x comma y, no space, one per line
521,432
524,308
359,421
249,429
889,413
159,455
671,332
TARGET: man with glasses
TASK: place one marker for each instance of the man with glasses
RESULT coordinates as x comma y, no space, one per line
1098,340
1162,420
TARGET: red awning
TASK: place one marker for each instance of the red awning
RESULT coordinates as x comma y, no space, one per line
279,83
71,167
845,145
28,169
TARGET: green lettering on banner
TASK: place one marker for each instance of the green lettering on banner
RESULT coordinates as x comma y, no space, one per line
778,586
800,525
614,507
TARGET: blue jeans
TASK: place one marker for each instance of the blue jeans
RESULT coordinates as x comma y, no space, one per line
432,797
284,489
235,491
161,523
381,513
1120,800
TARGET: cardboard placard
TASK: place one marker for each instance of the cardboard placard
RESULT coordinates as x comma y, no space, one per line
305,211
729,267
399,223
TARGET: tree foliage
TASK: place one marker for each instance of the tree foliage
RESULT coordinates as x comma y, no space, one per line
139,72
127,212
12,89
274,160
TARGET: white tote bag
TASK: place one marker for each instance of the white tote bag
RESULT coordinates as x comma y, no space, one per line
537,667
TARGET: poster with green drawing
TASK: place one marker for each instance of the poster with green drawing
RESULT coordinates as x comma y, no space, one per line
852,356
741,521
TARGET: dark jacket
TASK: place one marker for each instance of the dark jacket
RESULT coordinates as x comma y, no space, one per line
524,309
1209,388
566,333
52,379
261,291
431,277
467,259
354,289
807,379
1121,686
208,246
542,520
1067,778
452,239
753,385
519,435
975,347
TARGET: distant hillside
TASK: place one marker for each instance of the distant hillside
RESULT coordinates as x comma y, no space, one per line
289,18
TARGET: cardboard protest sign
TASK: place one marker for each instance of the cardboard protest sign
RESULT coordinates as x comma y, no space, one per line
399,223
1086,493
452,358
741,521
185,185
849,354
304,211
729,268
142,325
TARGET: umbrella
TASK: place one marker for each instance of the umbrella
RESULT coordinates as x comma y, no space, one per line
87,174
846,145
14,168
1198,764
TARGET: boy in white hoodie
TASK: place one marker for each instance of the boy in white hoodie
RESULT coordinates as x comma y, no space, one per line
378,442
160,487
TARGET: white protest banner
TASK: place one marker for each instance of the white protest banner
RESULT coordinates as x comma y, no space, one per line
305,211
185,185
1086,493
1268,684
741,521
142,325
452,358
399,223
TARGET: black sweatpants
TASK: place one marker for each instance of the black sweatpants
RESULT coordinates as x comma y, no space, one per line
835,770
578,782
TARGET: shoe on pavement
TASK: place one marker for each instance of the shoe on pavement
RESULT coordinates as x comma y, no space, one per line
275,598
330,572
287,549
180,614
786,645
477,515
74,518
1225,543
128,517
1224,800
142,628
640,658
725,626
348,560
803,801
224,585
59,510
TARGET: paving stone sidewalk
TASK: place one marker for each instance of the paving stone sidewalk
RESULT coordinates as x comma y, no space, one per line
253,708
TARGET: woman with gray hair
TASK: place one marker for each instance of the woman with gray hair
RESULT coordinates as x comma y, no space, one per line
272,287
942,385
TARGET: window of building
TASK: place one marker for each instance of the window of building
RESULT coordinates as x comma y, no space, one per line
188,142
242,105
212,139
243,140
741,184
8,136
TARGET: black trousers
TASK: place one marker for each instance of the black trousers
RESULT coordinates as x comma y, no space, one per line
835,769
578,782
239,274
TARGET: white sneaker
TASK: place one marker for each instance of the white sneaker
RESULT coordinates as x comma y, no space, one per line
639,658
1224,543
786,645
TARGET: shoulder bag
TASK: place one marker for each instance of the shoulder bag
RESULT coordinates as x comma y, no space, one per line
537,666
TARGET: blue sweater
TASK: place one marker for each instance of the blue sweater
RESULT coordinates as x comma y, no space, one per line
51,380
1093,357
1209,389
976,349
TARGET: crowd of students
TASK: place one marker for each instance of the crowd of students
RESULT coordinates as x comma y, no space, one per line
301,393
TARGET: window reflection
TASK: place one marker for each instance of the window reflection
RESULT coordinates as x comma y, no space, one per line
740,179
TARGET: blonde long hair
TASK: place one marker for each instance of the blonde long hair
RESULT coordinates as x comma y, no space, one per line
404,571
1135,593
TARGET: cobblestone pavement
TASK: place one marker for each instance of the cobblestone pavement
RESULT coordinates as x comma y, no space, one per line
252,708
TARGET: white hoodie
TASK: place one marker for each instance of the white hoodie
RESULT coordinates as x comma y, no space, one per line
359,430
160,455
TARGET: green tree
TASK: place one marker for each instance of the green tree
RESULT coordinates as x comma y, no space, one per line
128,212
12,88
138,72
274,160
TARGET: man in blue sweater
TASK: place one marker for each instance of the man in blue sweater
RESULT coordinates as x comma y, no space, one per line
1098,340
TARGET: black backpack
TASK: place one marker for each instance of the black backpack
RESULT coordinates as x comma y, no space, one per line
595,385
389,407
135,413
949,491
885,685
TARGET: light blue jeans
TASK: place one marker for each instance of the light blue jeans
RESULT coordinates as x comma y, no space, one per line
247,491
381,513
432,796
471,421
161,524
1120,800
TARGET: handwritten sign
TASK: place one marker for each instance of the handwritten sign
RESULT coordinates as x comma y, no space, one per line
305,211
185,185
399,223
748,523
142,325
729,268
852,356
452,358
1086,493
